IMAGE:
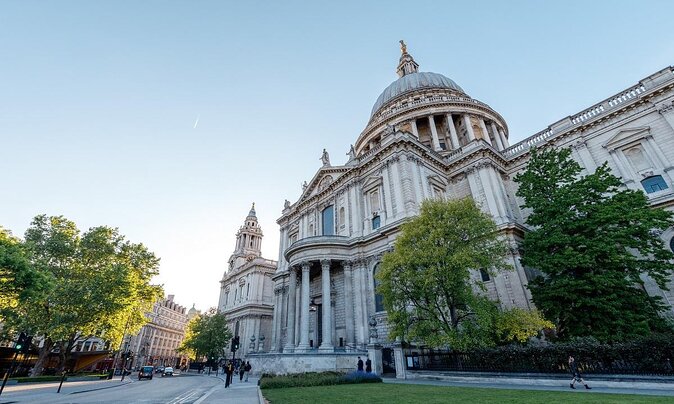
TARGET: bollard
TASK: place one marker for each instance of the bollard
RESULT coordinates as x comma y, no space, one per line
63,377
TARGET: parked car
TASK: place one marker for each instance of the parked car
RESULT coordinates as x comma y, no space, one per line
168,371
159,369
145,373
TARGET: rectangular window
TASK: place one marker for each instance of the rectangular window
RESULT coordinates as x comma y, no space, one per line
376,222
374,201
328,221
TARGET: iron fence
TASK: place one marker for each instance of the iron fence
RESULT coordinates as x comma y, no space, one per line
501,362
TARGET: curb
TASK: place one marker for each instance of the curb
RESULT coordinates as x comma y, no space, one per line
260,397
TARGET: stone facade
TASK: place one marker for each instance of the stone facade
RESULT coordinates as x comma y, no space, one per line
427,138
247,291
157,341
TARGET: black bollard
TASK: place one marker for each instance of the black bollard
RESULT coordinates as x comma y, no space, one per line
63,377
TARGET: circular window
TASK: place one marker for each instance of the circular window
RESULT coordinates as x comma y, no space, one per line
671,244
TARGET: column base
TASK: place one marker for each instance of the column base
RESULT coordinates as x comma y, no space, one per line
326,348
288,349
303,348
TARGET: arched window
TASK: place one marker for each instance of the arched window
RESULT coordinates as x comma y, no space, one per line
378,298
654,184
484,275
328,216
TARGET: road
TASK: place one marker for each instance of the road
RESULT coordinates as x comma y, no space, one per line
181,389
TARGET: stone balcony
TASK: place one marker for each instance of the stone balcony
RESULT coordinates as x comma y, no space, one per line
317,248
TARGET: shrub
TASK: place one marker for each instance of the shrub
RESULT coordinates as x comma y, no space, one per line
316,379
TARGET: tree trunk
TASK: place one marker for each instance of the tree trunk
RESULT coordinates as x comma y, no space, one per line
42,358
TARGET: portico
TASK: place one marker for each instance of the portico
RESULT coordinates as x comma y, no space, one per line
325,288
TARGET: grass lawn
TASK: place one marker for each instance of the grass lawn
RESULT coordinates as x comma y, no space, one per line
401,393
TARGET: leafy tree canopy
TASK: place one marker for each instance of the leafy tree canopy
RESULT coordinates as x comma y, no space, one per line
206,335
592,241
91,284
426,280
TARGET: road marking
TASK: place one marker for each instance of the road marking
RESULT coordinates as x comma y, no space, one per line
181,397
208,393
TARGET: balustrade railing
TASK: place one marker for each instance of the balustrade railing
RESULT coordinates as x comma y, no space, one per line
592,112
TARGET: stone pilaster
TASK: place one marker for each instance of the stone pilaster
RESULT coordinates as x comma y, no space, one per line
290,325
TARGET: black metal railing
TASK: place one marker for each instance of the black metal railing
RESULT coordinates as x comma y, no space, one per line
504,363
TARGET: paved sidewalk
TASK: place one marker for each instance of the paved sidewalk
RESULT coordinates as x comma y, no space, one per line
47,389
238,392
599,386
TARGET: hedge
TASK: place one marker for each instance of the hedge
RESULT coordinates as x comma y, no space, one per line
268,381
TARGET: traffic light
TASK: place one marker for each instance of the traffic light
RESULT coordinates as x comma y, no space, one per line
23,343
235,343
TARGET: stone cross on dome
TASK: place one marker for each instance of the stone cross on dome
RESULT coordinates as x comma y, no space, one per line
407,65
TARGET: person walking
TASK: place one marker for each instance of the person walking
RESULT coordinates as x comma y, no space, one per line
360,364
229,369
242,370
576,374
248,368
368,365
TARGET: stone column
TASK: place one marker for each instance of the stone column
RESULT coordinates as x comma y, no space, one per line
275,320
358,304
415,131
348,304
497,136
434,133
304,308
485,132
290,327
326,344
452,132
469,127
504,139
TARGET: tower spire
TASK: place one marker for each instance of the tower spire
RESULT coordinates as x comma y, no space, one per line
406,65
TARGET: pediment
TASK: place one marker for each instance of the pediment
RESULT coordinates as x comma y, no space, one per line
372,182
626,136
322,180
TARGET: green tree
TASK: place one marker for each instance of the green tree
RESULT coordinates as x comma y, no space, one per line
206,335
592,241
425,280
18,280
94,284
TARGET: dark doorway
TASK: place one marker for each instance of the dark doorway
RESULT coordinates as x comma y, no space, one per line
388,361
319,324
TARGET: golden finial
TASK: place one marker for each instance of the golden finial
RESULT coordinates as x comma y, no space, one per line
403,47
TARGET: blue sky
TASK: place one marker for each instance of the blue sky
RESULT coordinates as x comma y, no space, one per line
98,101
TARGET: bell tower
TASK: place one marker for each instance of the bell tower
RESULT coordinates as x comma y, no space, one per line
249,237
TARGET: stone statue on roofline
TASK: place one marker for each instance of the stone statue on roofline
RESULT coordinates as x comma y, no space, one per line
351,153
325,158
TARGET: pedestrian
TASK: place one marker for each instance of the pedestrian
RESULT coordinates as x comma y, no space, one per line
248,368
242,370
368,365
360,364
576,374
230,370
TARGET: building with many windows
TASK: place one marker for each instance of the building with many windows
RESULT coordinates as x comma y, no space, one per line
427,137
157,341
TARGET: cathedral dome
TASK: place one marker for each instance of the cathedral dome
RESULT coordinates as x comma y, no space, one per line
411,82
